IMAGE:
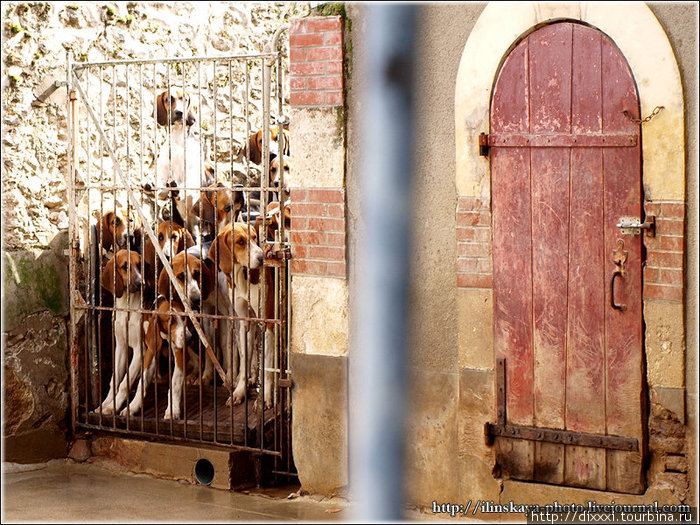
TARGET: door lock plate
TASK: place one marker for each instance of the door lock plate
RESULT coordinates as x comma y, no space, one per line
634,226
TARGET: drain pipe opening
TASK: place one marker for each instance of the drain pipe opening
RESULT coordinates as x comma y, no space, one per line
204,471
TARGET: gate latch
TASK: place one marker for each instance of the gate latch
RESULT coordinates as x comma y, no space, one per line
633,226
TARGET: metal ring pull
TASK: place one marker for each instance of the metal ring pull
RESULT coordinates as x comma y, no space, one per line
620,307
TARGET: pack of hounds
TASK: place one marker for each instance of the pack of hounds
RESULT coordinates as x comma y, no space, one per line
220,250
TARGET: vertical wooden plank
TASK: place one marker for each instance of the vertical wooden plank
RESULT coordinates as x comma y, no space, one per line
622,180
550,108
510,193
585,359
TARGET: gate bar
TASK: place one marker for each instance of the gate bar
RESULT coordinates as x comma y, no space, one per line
378,359
156,245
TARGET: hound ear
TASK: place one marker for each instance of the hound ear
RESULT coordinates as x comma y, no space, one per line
164,283
192,112
208,277
254,153
187,239
285,138
110,281
153,340
107,235
149,262
220,252
162,109
207,214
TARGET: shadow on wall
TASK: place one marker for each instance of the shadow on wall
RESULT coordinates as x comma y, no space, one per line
35,311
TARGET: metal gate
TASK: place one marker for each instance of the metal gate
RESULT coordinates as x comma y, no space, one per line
147,287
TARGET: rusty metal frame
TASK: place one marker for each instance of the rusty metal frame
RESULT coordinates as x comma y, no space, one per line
563,437
86,312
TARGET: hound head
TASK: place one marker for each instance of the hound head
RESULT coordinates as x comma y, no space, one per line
196,277
236,244
117,229
161,326
217,206
122,273
273,220
174,106
275,173
255,146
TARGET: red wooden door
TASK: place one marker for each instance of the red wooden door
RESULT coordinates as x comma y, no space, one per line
565,167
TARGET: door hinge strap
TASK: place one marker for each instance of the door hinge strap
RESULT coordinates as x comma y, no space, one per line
550,435
563,437
556,140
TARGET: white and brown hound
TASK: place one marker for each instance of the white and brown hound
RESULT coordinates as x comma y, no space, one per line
181,163
238,255
122,277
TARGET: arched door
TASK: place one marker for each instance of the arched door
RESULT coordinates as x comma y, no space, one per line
565,172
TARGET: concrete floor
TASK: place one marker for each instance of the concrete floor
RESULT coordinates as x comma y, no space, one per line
64,491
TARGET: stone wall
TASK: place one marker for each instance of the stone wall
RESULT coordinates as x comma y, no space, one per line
36,39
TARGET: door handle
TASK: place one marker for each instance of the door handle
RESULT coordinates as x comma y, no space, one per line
617,273
619,258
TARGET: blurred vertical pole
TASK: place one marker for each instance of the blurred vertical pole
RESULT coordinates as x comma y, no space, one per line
378,359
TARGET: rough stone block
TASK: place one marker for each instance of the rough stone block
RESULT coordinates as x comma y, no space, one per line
319,425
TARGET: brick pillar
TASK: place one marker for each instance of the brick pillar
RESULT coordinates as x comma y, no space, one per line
319,289
663,273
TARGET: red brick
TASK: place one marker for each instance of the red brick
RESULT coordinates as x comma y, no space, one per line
482,235
297,54
306,68
326,252
327,225
651,275
330,23
326,82
336,268
484,218
671,277
669,227
308,267
672,210
305,40
297,194
671,244
652,208
467,265
334,98
466,234
335,239
306,98
335,210
299,251
465,203
306,237
335,67
324,53
299,223
652,243
665,260
306,209
297,83
485,265
325,196
474,280
332,37
663,292
297,26
467,218
473,250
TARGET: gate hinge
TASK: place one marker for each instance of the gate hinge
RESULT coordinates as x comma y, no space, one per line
286,382
483,144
